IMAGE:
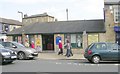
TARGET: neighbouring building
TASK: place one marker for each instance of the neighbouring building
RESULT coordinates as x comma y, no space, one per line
7,25
27,20
112,20
46,35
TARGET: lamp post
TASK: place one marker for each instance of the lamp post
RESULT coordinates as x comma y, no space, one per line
67,13
22,26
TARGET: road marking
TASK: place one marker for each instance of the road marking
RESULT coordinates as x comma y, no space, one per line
98,64
92,64
69,63
58,63
80,64
75,63
116,64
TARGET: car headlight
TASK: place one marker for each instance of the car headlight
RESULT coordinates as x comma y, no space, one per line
30,51
13,52
5,53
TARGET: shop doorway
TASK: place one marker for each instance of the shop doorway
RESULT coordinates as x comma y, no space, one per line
48,42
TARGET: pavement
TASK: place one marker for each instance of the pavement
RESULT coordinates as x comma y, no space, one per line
53,55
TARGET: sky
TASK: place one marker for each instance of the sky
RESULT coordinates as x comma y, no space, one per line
77,9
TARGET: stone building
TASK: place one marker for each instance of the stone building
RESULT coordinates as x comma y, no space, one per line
46,35
27,20
112,21
7,25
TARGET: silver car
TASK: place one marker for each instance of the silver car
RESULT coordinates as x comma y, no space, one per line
22,51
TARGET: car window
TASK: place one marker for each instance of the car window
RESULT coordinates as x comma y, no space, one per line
100,46
18,45
112,46
1,46
7,44
90,46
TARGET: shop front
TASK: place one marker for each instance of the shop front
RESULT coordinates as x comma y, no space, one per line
46,36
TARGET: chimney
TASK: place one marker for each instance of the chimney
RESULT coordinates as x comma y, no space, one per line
25,15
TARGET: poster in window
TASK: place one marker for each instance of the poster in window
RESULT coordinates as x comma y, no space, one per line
92,38
73,38
57,39
79,41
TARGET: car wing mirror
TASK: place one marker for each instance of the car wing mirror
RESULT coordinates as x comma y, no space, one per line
14,46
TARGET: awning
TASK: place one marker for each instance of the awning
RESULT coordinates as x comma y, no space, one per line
117,28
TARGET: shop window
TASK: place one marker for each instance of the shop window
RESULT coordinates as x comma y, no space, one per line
92,38
75,39
6,28
0,27
15,38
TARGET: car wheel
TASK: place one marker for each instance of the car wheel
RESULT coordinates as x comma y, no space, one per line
96,59
21,56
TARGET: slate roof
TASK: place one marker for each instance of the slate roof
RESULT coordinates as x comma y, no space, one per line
112,3
78,26
10,21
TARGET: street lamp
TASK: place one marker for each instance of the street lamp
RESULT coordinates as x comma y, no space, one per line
22,26
67,13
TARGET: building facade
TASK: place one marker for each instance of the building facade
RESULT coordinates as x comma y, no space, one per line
27,20
47,35
112,21
7,25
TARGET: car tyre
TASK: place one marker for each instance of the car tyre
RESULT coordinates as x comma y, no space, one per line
21,55
96,59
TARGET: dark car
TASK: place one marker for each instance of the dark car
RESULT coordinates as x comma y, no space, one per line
7,55
102,51
22,51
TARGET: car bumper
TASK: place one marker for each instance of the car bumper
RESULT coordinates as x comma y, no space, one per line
88,56
6,59
32,55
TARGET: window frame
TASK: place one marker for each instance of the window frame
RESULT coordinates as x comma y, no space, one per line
76,40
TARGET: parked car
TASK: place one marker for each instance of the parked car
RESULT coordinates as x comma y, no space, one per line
22,51
7,55
102,51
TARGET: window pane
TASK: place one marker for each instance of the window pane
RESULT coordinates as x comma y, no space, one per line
100,46
0,27
73,38
76,40
92,38
79,40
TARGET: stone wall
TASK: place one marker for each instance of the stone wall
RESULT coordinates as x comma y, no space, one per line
109,23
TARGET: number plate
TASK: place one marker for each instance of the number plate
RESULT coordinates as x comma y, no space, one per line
13,57
35,53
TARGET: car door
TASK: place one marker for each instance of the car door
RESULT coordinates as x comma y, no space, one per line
101,49
118,52
113,51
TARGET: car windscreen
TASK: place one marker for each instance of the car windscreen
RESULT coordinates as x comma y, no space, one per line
18,45
1,46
